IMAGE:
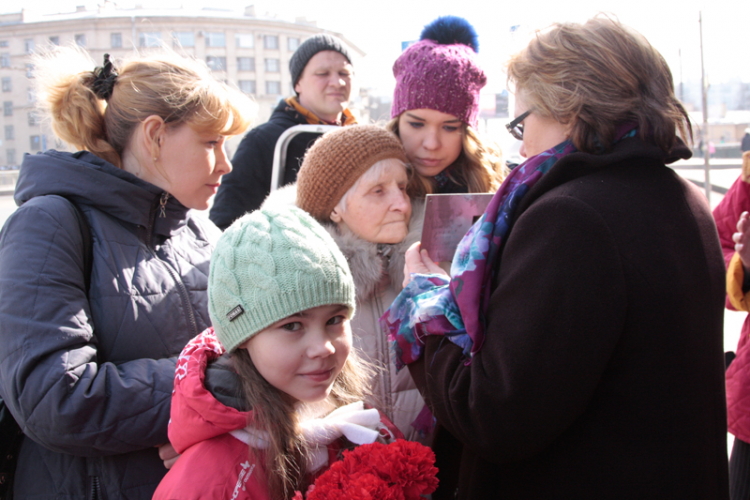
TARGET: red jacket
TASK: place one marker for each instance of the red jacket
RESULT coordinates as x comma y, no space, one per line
726,214
214,464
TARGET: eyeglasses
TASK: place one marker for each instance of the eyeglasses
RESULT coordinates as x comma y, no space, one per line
516,127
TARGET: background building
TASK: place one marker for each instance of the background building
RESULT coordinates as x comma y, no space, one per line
245,50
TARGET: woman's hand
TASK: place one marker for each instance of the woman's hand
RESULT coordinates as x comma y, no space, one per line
418,261
168,454
741,240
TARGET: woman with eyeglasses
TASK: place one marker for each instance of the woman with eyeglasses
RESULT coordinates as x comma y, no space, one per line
576,349
435,112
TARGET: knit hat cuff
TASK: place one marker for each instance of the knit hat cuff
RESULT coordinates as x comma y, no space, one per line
267,310
388,154
423,95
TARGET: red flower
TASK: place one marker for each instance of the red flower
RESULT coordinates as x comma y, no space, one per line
402,470
366,486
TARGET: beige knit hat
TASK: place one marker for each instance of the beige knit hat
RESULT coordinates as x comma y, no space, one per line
335,162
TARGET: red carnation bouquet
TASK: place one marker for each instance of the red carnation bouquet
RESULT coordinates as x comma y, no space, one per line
401,470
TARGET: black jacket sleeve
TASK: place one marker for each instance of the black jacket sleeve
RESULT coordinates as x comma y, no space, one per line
247,185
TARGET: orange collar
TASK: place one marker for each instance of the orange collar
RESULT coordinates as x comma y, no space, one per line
312,119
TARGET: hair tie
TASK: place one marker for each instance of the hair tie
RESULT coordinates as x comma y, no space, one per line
104,79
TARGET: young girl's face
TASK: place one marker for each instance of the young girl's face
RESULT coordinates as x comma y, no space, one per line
303,354
432,139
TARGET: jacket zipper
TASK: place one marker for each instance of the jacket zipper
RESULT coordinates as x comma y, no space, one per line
385,352
96,488
183,294
161,204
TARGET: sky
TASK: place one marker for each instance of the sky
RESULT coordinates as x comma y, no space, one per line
379,27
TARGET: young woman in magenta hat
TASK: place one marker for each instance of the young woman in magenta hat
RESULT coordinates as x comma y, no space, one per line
436,110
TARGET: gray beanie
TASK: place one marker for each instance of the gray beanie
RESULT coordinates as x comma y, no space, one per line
309,48
270,264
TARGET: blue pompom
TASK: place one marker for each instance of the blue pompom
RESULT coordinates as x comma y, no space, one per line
448,30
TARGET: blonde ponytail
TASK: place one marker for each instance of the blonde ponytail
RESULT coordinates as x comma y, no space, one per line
63,88
163,83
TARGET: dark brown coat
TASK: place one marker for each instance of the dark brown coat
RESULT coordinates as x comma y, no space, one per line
602,371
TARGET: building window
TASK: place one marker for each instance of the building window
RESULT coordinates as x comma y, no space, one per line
8,108
216,39
271,42
292,44
31,94
149,39
28,45
184,38
5,60
29,71
35,142
273,88
7,85
54,40
247,86
33,120
244,40
245,64
216,63
272,66
115,40
9,132
10,156
80,40
3,43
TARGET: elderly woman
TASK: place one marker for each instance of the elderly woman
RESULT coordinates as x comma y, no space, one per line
576,349
354,181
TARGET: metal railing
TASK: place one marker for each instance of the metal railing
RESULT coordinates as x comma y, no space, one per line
282,144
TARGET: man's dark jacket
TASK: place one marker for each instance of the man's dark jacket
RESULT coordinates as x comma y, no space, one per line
601,374
244,189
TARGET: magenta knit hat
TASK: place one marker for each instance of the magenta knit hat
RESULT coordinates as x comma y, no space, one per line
441,71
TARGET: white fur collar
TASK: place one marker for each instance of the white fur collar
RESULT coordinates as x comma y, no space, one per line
364,261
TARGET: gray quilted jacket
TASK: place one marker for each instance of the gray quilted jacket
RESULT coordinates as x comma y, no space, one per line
89,379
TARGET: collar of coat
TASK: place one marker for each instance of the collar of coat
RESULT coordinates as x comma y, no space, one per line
367,261
621,155
346,117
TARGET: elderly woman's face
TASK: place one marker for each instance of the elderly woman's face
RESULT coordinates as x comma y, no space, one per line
539,132
378,209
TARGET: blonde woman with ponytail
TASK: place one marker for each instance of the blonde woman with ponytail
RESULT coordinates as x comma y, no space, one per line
103,267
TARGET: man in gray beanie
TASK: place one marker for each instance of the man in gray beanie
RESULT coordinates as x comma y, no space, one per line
321,73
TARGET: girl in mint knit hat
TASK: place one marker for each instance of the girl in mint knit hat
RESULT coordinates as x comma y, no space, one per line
280,298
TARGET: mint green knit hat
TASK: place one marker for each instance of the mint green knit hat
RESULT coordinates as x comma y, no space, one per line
270,264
